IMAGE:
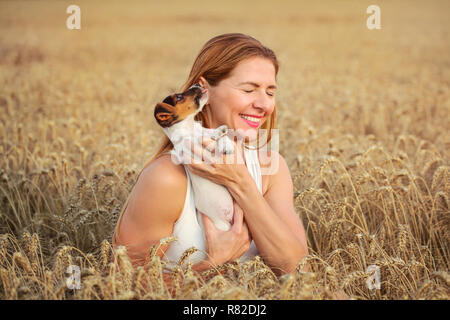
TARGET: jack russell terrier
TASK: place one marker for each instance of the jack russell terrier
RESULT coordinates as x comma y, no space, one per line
176,117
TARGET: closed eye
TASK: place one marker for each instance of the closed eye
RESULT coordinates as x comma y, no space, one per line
251,90
270,94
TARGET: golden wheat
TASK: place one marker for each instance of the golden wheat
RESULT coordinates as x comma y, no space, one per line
363,125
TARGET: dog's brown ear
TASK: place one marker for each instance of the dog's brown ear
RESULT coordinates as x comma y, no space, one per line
164,115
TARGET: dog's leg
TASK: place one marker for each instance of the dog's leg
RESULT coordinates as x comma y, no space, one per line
225,145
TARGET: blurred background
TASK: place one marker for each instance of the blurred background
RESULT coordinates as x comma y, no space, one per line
128,55
76,123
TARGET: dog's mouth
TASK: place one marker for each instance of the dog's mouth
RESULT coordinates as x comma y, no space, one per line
201,95
201,99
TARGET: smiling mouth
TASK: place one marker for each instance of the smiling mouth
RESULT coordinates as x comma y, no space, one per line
251,121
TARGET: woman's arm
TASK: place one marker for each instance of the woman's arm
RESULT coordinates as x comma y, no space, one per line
274,225
154,206
156,203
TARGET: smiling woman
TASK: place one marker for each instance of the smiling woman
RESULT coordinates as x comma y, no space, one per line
239,74
244,104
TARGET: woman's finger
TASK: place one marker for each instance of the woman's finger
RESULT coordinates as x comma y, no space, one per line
214,154
199,153
237,157
202,169
242,250
208,224
209,144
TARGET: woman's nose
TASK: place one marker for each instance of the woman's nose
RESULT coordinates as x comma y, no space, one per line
263,102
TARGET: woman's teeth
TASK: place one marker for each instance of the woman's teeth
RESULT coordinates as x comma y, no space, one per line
253,119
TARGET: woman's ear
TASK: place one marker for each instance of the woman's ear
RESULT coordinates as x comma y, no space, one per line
204,83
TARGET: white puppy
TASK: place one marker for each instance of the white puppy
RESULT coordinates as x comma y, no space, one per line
176,116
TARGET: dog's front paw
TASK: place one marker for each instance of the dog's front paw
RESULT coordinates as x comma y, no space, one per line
225,146
223,129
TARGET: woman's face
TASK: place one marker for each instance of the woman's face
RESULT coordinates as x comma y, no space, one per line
245,99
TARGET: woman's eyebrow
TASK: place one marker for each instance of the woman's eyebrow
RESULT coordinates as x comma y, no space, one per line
257,85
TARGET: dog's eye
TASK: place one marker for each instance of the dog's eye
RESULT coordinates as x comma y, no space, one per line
179,97
169,100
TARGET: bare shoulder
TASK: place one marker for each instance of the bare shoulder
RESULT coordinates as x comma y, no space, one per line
165,183
164,172
157,198
154,205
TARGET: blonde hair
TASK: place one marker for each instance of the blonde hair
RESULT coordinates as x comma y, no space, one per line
218,57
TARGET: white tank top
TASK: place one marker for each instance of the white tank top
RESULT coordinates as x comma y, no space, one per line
187,230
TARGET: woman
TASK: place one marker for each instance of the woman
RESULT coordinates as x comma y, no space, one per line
239,74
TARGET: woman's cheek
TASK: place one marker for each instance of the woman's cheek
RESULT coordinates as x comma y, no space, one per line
270,109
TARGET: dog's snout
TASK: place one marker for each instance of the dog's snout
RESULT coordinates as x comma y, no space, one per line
195,92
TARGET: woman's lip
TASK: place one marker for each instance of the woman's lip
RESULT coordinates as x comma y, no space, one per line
251,123
250,115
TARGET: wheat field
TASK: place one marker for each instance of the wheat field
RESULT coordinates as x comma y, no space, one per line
363,117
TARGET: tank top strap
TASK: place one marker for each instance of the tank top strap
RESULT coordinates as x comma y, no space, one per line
252,161
189,203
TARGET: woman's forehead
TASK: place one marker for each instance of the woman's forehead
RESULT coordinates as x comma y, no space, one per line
255,70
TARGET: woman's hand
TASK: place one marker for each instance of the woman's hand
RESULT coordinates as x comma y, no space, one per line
227,170
226,246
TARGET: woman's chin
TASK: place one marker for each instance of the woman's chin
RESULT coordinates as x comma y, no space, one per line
248,134
251,135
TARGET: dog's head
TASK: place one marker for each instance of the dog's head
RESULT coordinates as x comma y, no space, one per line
179,106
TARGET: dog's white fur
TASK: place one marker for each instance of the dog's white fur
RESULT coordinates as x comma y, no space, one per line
212,199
